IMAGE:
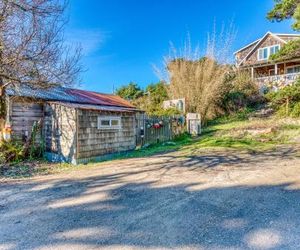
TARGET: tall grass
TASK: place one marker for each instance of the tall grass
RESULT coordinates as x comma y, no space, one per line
198,76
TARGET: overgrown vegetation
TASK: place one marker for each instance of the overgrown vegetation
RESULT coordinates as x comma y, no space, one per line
150,100
286,101
15,151
210,85
130,92
239,93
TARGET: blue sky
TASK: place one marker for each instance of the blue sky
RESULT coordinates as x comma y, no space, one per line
123,39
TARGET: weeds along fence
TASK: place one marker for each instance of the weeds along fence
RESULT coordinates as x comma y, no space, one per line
154,129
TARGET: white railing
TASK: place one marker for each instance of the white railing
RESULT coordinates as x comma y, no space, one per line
278,80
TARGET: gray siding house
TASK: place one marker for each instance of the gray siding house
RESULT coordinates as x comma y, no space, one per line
77,126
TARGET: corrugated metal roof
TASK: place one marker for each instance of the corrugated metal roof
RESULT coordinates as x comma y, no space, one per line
69,95
95,107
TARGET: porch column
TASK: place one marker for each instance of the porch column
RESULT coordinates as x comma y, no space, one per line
276,69
252,73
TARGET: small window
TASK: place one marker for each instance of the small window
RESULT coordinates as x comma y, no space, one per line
109,122
274,49
264,53
114,122
105,123
265,50
292,70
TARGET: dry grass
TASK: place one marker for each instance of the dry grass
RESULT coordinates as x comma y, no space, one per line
198,76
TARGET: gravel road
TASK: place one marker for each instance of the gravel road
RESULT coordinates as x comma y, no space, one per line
213,200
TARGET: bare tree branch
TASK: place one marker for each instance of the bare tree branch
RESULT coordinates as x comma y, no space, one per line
32,48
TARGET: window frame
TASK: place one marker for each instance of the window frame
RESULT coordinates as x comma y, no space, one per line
110,119
268,48
292,67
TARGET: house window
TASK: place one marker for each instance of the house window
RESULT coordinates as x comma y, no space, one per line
294,69
109,122
264,53
274,49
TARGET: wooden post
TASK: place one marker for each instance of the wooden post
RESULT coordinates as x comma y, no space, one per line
252,73
8,110
276,69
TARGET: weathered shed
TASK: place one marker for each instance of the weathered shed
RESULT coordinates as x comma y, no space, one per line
77,125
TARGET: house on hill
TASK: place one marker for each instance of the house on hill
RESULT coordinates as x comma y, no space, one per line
76,125
255,58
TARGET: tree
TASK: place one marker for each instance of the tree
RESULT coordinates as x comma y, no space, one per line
130,92
286,9
157,93
32,49
153,99
289,51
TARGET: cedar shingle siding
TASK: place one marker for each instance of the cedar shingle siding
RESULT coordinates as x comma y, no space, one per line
269,39
69,127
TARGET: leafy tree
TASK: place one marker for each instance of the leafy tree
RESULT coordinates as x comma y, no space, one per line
286,9
157,94
152,101
130,92
288,51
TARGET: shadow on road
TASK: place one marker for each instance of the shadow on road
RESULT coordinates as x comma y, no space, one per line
105,211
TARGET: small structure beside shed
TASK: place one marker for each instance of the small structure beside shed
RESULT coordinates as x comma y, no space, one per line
77,126
193,121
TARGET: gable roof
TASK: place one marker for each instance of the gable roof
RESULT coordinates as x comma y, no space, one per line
277,36
68,95
247,46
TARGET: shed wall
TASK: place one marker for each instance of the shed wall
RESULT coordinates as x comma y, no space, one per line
94,142
60,132
23,114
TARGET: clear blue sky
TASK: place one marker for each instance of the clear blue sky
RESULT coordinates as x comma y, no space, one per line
122,39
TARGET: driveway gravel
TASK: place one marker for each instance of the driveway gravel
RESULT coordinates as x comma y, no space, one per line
217,199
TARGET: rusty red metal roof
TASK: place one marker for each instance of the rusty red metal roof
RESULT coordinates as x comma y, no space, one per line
69,95
90,97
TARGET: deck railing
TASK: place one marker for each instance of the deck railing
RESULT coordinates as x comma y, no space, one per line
278,80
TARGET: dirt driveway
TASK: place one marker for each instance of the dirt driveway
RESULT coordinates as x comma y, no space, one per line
214,200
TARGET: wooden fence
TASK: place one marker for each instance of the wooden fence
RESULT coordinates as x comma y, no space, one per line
152,130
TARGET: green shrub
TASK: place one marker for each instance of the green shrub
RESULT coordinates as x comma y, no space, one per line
286,100
296,110
14,151
182,137
239,93
288,51
11,152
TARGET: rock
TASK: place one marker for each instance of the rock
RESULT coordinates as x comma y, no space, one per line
146,145
263,113
169,143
